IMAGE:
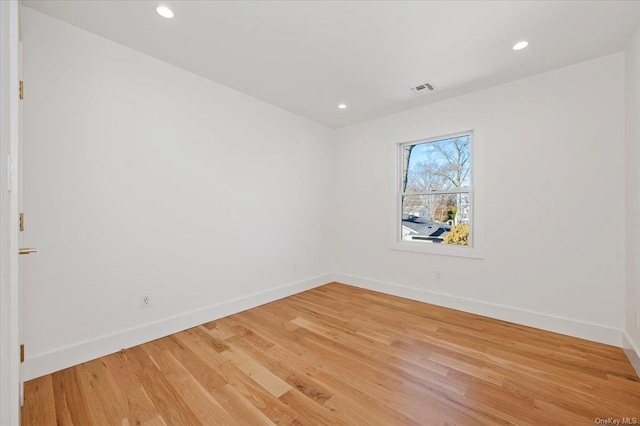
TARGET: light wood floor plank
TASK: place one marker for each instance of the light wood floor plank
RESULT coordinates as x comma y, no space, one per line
70,402
40,407
139,408
341,355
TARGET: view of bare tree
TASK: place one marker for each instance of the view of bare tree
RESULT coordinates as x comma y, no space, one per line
445,167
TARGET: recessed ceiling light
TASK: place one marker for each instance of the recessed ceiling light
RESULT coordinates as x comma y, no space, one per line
520,45
342,106
165,12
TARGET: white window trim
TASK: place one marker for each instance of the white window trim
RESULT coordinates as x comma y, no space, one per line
477,180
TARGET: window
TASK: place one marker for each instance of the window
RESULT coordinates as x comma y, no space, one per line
434,198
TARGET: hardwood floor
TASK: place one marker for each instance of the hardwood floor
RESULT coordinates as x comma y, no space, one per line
339,355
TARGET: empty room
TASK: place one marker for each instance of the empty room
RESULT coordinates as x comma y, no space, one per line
319,212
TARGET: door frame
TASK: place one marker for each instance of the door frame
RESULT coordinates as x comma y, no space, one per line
10,381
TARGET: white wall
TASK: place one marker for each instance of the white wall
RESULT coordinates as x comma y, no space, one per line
552,198
632,156
141,177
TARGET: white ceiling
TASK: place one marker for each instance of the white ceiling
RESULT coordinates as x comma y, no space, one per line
307,57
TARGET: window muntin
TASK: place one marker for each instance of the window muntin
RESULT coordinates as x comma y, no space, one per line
436,191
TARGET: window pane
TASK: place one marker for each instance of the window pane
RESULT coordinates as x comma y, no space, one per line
441,218
443,165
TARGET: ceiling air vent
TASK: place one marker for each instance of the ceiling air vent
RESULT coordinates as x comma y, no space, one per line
422,88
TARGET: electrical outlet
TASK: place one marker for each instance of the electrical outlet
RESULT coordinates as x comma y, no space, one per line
438,275
294,269
145,300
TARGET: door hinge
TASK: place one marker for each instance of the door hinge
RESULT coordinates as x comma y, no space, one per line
21,222
21,353
21,89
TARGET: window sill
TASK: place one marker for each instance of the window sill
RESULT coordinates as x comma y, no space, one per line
438,249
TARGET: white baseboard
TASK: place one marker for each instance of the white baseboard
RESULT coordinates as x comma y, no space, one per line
583,330
632,351
49,362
